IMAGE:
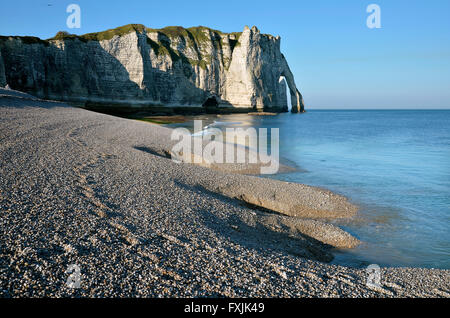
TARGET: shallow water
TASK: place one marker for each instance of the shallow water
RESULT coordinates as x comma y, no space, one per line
395,165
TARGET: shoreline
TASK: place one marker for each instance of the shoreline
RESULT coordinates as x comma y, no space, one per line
102,193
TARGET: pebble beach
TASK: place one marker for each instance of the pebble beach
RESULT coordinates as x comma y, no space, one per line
98,191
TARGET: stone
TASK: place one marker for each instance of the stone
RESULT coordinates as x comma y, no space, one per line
2,72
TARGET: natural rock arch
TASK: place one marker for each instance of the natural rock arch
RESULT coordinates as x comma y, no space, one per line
296,97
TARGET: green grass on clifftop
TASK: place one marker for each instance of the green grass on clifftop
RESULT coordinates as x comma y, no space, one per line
100,36
200,34
26,39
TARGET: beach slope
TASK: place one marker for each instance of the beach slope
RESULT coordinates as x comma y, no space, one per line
78,187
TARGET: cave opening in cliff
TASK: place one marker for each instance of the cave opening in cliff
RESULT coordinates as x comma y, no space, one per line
211,102
286,91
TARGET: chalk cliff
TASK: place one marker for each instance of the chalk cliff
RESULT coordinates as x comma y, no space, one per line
137,66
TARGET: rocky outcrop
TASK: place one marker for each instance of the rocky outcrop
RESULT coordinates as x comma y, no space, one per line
142,67
2,72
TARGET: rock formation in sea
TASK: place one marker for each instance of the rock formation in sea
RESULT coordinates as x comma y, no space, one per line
134,66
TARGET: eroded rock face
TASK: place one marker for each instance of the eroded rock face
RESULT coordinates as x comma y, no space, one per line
2,72
137,66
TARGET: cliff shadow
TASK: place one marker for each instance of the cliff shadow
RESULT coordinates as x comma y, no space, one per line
251,231
179,80
88,75
17,99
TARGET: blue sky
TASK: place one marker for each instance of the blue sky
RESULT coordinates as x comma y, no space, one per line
337,61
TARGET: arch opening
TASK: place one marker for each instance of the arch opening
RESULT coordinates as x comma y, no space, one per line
286,93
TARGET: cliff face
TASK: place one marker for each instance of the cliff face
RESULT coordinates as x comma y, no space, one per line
138,66
2,72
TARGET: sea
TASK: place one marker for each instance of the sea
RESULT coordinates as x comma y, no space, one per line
393,164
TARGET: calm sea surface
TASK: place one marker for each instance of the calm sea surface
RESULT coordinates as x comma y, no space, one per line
395,165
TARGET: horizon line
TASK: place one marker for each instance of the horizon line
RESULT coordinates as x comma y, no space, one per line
423,109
